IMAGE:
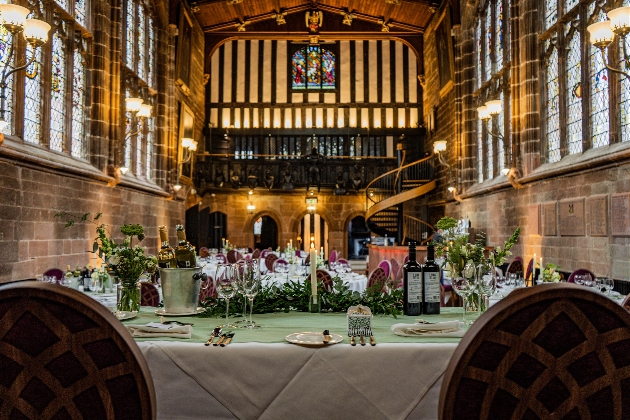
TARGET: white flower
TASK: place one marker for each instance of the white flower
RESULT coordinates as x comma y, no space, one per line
469,270
114,260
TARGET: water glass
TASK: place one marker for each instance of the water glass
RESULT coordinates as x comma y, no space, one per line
463,287
579,279
226,284
250,282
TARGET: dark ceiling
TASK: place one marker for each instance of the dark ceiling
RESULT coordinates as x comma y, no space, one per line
368,16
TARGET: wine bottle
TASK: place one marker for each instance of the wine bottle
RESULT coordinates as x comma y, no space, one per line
430,284
184,253
77,271
412,284
69,272
166,255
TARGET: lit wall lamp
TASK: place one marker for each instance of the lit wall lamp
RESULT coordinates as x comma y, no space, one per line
251,208
13,18
439,146
453,190
603,33
140,110
190,146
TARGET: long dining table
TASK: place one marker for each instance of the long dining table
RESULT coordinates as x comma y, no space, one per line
260,375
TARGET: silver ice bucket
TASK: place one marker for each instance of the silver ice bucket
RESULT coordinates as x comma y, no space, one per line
180,289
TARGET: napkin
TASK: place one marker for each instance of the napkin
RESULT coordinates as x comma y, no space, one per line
154,329
439,329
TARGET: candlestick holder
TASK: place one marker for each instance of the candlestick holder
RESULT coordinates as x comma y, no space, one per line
315,304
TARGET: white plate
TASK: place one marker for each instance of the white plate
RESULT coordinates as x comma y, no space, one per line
122,315
161,311
313,339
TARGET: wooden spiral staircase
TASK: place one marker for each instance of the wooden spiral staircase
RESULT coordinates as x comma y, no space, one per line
386,195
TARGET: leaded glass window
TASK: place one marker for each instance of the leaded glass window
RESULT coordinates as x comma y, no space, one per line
489,153
130,27
479,55
33,98
79,87
574,91
313,67
479,150
152,52
501,131
489,43
80,12
150,149
553,105
58,93
142,30
6,42
498,55
624,107
551,13
139,141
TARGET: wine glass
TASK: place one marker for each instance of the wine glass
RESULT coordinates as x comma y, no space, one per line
501,284
463,287
239,269
251,285
579,279
486,282
226,288
588,280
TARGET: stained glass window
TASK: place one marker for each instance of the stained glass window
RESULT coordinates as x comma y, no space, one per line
570,4
479,55
130,33
139,152
62,3
80,12
599,90
488,36
142,31
479,150
624,107
58,93
152,53
498,55
6,42
489,153
574,92
313,67
553,105
501,131
551,13
78,105
33,98
128,129
150,148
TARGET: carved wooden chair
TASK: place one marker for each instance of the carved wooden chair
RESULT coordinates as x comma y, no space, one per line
221,258
233,256
64,355
396,268
269,260
280,265
323,277
386,266
207,289
149,295
333,256
377,276
515,266
626,303
256,254
530,272
552,351
56,273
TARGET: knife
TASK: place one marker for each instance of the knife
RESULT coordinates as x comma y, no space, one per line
220,340
228,340
326,336
215,333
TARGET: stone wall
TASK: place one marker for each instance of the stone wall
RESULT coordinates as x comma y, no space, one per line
287,210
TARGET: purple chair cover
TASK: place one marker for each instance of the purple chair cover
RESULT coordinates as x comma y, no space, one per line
149,295
210,289
579,271
264,253
56,272
269,260
386,266
221,258
278,262
395,268
377,276
333,257
529,270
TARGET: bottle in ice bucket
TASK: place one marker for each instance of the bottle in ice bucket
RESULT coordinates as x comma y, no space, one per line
184,253
166,255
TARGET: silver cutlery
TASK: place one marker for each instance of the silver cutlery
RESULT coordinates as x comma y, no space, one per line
215,333
228,340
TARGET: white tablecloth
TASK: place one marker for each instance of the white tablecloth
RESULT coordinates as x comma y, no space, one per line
285,381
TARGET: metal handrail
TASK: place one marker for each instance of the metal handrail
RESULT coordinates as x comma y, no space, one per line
414,228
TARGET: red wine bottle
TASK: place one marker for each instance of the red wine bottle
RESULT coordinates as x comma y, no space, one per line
412,284
430,284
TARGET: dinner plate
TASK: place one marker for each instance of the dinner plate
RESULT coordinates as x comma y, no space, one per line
163,312
312,339
122,315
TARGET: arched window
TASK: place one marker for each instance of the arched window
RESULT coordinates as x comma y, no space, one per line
598,76
553,103
313,67
574,87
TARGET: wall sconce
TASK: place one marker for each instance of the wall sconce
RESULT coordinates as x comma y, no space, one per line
439,146
251,208
603,33
140,110
456,196
311,205
13,18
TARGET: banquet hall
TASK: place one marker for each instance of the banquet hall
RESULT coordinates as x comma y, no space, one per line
351,128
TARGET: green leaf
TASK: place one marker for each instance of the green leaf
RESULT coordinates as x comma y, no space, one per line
84,217
69,223
95,246
98,216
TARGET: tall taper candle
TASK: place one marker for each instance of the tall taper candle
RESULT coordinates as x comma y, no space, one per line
313,272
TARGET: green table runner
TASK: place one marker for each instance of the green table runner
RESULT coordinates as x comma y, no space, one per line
276,326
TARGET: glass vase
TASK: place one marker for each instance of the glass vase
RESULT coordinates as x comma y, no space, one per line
128,296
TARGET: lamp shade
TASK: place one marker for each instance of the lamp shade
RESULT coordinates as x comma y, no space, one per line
187,142
3,124
193,146
36,31
483,112
12,14
133,104
620,19
439,146
601,33
494,107
145,111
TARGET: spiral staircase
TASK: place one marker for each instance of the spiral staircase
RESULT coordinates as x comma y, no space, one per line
386,195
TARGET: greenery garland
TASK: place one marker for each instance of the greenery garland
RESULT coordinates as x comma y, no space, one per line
295,296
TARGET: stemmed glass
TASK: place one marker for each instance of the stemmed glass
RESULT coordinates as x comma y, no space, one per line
250,281
579,279
226,284
239,268
463,287
588,280
486,282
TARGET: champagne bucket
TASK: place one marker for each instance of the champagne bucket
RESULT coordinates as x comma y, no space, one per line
180,289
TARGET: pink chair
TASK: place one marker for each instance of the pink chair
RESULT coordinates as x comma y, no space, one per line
256,254
233,256
269,260
386,266
529,270
406,259
56,273
207,289
264,253
395,268
280,264
515,266
343,261
149,295
221,258
579,271
325,278
377,277
333,256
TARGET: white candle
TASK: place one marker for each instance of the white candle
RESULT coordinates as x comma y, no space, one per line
321,252
291,243
541,266
313,272
534,263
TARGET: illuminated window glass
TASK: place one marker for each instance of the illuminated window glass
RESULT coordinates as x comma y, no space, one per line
489,153
574,91
58,94
479,55
551,13
142,31
553,106
488,36
313,67
130,33
498,55
33,98
501,130
152,53
150,149
80,12
78,105
62,3
624,107
6,41
479,150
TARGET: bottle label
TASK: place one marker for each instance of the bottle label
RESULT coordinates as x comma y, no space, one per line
432,287
164,264
414,287
183,264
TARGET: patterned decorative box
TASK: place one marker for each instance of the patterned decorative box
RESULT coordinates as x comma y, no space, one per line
359,321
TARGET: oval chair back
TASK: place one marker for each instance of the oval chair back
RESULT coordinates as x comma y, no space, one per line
344,262
280,266
325,278
395,268
64,355
386,266
333,257
221,258
406,259
579,271
529,272
269,260
233,256
515,266
149,295
256,254
552,351
208,289
55,272
377,277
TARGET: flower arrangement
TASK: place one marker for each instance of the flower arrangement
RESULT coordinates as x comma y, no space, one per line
550,275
